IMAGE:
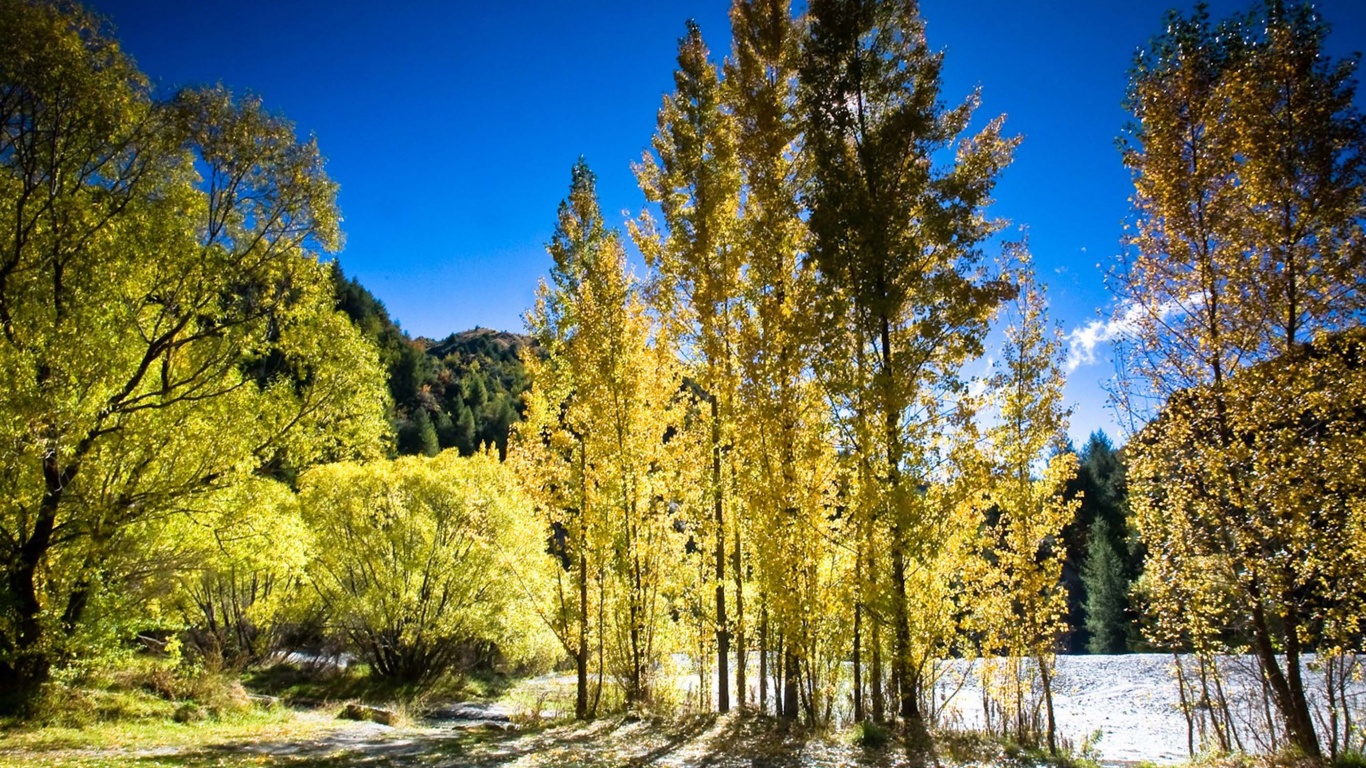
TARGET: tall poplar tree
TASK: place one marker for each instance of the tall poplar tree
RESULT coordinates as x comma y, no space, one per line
787,475
550,447
1028,496
595,449
897,239
694,177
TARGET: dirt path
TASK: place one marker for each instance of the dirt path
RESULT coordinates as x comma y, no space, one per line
725,742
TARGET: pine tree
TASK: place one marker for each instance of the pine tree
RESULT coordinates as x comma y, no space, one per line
1106,593
1101,487
463,430
418,436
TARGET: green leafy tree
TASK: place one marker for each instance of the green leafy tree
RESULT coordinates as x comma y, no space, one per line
165,330
240,568
418,561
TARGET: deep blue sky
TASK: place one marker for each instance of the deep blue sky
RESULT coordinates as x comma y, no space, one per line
452,126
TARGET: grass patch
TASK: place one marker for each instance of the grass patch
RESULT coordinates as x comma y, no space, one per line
957,747
1350,760
138,742
870,735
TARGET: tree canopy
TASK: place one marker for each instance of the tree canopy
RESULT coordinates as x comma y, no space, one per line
165,328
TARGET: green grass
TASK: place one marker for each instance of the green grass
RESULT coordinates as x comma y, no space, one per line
124,742
1351,759
870,735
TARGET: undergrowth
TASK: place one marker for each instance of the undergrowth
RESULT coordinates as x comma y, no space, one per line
319,687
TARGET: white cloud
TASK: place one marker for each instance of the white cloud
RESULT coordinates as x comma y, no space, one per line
1082,342
978,385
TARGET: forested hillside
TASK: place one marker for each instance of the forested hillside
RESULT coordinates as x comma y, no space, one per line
462,392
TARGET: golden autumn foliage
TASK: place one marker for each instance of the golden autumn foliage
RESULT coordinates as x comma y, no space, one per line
1244,268
419,561
595,451
1022,601
749,477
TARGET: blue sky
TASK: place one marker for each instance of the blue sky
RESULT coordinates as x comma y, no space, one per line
451,126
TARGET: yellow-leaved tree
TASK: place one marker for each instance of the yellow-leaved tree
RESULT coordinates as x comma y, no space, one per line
1249,165
897,213
694,177
418,562
787,468
595,451
165,328
1021,599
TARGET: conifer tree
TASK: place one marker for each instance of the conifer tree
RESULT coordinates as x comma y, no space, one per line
1106,593
1101,487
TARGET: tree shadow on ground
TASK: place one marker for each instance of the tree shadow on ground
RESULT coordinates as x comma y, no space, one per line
704,741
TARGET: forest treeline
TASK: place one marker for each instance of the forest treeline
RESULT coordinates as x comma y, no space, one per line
764,474
463,392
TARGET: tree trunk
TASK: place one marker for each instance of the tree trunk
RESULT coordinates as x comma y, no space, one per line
21,678
763,659
740,655
581,658
636,692
858,663
602,657
722,630
1046,678
1288,694
791,671
901,674
778,677
879,700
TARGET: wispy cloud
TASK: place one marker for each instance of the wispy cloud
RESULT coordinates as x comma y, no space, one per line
1082,342
978,385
